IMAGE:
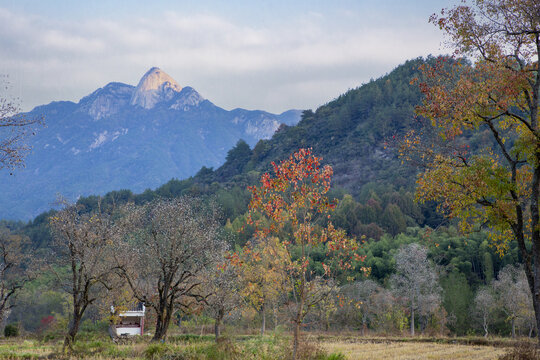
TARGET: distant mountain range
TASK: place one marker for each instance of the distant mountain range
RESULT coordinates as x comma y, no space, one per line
127,137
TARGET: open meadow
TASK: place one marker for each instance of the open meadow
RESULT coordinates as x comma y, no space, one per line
417,350
267,347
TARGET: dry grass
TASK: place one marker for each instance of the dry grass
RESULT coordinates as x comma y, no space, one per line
23,348
352,348
413,351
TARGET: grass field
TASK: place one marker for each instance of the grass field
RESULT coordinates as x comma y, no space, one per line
251,347
416,351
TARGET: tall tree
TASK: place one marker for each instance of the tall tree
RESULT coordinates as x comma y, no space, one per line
416,281
289,204
484,307
513,295
263,274
86,243
360,296
223,286
16,269
171,245
497,98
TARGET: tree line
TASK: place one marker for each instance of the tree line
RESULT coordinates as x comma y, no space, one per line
176,257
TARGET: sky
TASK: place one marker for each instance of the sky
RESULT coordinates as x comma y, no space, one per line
268,55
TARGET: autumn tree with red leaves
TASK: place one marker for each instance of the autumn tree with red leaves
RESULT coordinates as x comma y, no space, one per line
496,186
292,205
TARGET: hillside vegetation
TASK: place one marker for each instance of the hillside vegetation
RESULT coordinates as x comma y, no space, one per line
376,205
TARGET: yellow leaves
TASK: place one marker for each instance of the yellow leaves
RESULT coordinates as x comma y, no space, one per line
365,270
501,240
494,94
263,270
476,194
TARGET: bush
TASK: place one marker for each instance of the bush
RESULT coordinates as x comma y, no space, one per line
523,351
223,350
11,330
310,351
156,351
335,356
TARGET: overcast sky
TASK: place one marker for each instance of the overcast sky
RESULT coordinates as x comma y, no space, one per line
270,55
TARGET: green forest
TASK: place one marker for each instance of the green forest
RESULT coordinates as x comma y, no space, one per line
375,193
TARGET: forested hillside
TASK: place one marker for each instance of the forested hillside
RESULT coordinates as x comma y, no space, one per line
375,191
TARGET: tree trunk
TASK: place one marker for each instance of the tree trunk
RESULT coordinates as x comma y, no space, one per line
160,330
263,321
296,340
364,323
216,327
73,329
534,207
485,324
327,321
513,328
275,316
364,326
163,320
218,319
158,334
536,303
299,315
412,319
532,268
297,323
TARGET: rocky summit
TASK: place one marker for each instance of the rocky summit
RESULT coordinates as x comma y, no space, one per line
155,86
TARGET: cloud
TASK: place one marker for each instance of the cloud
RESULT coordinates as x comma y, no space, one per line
274,66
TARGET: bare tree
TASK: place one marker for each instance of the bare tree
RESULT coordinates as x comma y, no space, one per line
14,129
387,312
223,286
327,307
484,306
359,297
416,281
86,242
171,244
513,295
16,269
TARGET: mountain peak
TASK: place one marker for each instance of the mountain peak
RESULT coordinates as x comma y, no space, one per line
155,86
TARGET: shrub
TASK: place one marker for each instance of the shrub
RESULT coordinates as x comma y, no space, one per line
310,351
11,330
523,351
223,350
335,356
156,351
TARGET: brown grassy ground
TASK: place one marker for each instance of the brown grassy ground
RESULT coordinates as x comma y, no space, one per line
352,347
412,350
